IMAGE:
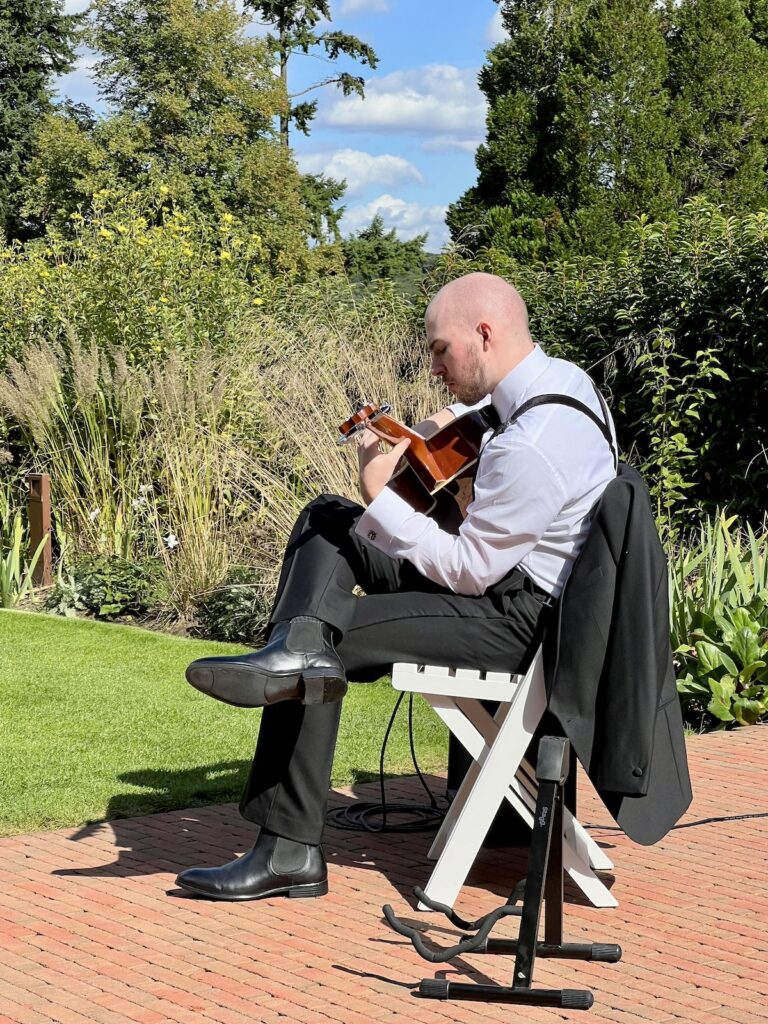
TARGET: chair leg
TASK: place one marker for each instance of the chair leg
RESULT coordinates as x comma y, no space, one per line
489,786
456,847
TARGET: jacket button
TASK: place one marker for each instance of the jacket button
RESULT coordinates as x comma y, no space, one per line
637,772
372,535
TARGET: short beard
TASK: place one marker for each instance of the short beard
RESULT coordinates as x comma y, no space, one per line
474,387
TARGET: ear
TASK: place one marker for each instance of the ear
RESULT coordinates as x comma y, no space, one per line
486,333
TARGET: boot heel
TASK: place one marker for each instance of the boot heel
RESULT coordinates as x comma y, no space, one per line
298,892
320,688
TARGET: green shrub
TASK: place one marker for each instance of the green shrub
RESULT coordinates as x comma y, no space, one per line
719,624
108,586
237,611
674,328
145,280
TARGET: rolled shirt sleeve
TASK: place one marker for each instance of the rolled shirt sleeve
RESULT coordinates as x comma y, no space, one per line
518,493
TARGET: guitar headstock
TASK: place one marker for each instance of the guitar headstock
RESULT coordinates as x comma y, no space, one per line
358,420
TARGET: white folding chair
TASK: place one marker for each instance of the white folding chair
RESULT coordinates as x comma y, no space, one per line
497,745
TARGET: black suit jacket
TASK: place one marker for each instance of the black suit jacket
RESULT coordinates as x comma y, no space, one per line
610,680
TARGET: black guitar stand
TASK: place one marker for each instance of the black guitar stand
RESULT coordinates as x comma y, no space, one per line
543,884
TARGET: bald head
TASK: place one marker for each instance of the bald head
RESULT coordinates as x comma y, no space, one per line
477,330
477,297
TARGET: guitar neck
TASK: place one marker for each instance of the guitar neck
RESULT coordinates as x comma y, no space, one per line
393,429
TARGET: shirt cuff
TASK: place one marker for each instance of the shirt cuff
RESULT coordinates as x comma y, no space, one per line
383,520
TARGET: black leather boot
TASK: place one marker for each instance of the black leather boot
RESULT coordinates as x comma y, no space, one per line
299,663
274,867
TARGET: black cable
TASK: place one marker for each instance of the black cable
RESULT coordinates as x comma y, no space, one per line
688,824
357,817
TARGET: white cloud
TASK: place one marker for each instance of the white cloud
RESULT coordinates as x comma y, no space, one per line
360,169
437,99
78,85
364,6
408,219
86,60
495,32
446,143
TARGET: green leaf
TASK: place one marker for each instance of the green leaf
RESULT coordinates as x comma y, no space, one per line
747,712
741,618
749,670
746,646
757,691
722,694
693,686
712,658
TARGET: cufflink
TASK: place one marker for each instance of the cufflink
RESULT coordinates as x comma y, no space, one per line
372,535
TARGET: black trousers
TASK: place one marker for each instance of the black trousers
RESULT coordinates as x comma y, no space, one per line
403,617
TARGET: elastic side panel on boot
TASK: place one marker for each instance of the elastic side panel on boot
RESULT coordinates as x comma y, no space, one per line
305,636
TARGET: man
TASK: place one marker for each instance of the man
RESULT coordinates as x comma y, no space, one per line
476,599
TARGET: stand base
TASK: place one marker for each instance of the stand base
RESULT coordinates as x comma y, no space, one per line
597,952
563,998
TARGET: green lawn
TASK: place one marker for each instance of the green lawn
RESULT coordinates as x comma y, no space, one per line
97,722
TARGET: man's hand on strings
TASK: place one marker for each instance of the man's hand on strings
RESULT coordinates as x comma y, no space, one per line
376,467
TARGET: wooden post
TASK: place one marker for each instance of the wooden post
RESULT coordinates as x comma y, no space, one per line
40,526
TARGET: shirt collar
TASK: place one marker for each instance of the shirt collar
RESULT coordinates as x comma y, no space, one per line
511,390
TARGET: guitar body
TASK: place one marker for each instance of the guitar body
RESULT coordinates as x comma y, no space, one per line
436,473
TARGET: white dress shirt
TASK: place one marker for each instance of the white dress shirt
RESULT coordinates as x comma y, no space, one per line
535,486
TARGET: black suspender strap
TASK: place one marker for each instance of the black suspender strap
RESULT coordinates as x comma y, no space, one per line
572,403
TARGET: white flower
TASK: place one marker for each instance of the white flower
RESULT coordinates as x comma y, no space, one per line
171,541
138,502
94,514
144,488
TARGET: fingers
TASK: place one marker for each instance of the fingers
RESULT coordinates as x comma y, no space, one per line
376,468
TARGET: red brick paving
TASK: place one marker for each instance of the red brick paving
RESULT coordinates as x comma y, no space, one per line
92,931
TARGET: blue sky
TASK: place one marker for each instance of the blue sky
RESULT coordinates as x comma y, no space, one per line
407,149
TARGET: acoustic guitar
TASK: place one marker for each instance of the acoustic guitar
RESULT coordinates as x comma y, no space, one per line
435,473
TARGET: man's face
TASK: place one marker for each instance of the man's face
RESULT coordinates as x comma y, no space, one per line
457,357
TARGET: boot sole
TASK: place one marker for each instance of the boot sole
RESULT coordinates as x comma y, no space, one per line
294,892
244,687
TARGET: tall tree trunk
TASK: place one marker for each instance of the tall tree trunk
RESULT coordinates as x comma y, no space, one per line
285,115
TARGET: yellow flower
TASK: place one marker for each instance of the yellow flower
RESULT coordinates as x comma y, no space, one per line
106,233
164,190
163,298
122,228
225,256
188,252
228,218
258,302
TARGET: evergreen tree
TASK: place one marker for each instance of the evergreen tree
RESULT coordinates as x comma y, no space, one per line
295,22
601,110
373,253
192,106
718,81
36,43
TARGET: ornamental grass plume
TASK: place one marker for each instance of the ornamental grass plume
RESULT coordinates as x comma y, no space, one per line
197,429
323,359
73,413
